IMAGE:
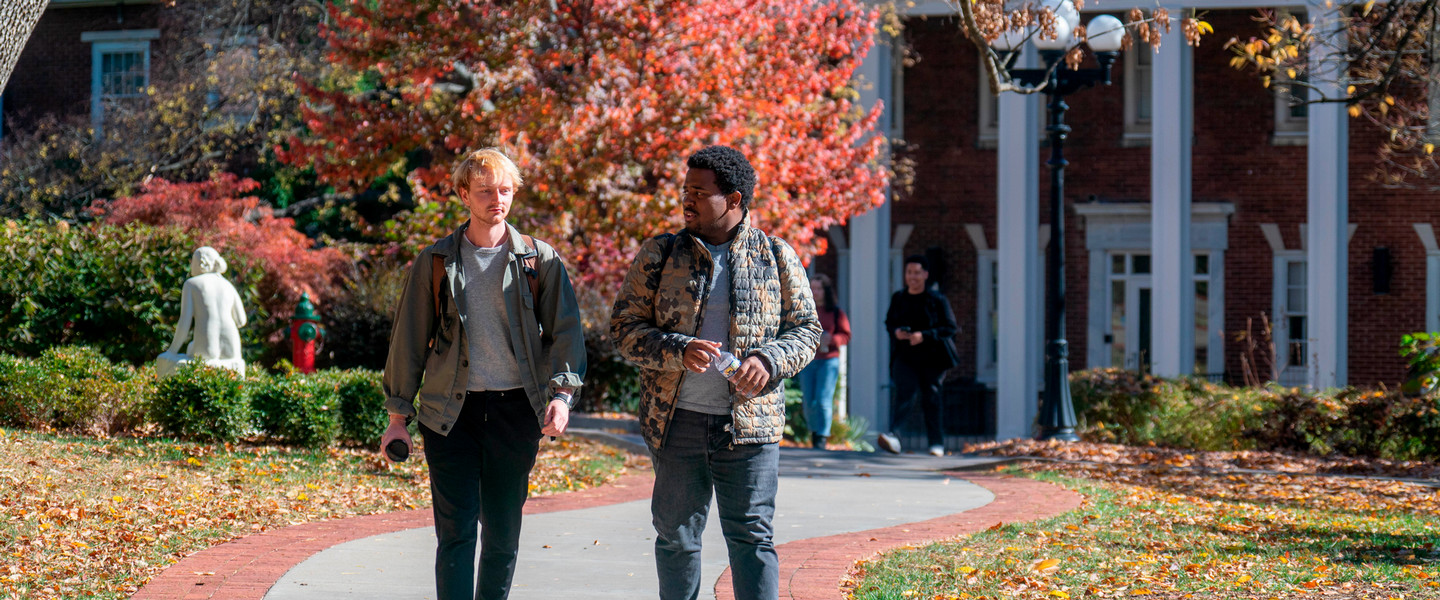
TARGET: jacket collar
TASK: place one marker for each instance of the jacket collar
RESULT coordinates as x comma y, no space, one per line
742,235
449,245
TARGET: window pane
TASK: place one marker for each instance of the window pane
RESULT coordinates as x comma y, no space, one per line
122,73
1202,264
1202,327
1295,301
1142,264
1117,264
1298,347
1117,324
1295,272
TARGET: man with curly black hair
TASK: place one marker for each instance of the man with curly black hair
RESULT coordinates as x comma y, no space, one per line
717,287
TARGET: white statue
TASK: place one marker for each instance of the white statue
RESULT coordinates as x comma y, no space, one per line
212,305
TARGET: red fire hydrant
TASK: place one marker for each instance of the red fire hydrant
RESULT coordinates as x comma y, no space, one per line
305,334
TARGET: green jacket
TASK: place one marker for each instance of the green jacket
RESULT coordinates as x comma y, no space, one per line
433,359
658,309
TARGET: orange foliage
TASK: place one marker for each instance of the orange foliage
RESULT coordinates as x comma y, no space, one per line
218,213
600,102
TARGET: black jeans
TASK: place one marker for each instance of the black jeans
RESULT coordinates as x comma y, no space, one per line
480,473
909,382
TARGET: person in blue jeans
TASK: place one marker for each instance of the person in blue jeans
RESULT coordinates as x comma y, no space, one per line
717,285
817,381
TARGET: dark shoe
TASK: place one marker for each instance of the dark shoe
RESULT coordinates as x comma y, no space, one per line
889,443
817,441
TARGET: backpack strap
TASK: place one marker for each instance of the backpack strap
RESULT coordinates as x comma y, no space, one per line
437,276
531,272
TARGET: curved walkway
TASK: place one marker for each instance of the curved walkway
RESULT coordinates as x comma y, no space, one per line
834,508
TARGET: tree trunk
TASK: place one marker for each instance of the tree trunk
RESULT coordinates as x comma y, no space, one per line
17,20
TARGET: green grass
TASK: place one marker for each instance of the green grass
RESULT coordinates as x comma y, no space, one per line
1173,534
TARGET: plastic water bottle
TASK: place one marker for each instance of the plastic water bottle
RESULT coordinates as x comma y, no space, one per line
725,363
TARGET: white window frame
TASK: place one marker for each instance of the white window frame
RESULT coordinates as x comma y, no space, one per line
1137,131
105,42
1289,130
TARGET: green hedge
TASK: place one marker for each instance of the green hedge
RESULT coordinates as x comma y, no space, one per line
73,388
1113,405
203,403
78,389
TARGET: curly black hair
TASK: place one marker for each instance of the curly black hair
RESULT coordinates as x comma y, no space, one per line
732,171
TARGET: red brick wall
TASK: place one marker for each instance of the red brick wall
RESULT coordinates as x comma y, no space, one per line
1234,161
52,75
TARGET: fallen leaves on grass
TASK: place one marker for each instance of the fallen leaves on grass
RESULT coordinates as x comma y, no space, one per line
81,517
1169,524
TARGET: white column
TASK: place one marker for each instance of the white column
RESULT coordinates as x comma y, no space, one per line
1172,335
1017,192
1432,275
868,273
1327,185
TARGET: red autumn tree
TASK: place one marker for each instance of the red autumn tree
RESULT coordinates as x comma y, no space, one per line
220,213
600,102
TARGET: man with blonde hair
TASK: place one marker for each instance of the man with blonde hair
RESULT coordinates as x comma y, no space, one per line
487,333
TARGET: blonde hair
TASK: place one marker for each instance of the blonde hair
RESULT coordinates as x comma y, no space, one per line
491,159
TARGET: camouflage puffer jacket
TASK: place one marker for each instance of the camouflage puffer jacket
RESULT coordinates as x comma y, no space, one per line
772,315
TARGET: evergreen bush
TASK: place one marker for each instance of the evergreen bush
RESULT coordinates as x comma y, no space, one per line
203,403
299,409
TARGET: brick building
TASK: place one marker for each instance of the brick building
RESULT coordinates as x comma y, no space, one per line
82,55
1254,175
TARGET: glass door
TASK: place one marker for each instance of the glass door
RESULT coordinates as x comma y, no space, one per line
1128,340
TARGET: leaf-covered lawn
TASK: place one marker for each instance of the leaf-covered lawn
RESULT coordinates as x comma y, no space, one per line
97,518
1167,524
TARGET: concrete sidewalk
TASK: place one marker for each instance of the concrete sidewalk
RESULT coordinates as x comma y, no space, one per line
607,551
832,508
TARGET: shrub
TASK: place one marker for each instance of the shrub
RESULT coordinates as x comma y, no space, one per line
73,388
89,393
1123,407
299,409
202,403
363,418
24,393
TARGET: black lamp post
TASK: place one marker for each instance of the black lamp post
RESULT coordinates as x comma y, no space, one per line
1057,412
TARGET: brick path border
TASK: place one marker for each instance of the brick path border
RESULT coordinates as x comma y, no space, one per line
246,568
813,569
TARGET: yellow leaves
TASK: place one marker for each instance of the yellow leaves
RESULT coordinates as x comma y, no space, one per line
1429,148
1205,27
1290,72
966,570
1354,110
1059,594
1048,564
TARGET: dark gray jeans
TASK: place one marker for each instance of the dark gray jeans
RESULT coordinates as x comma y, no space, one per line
699,458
